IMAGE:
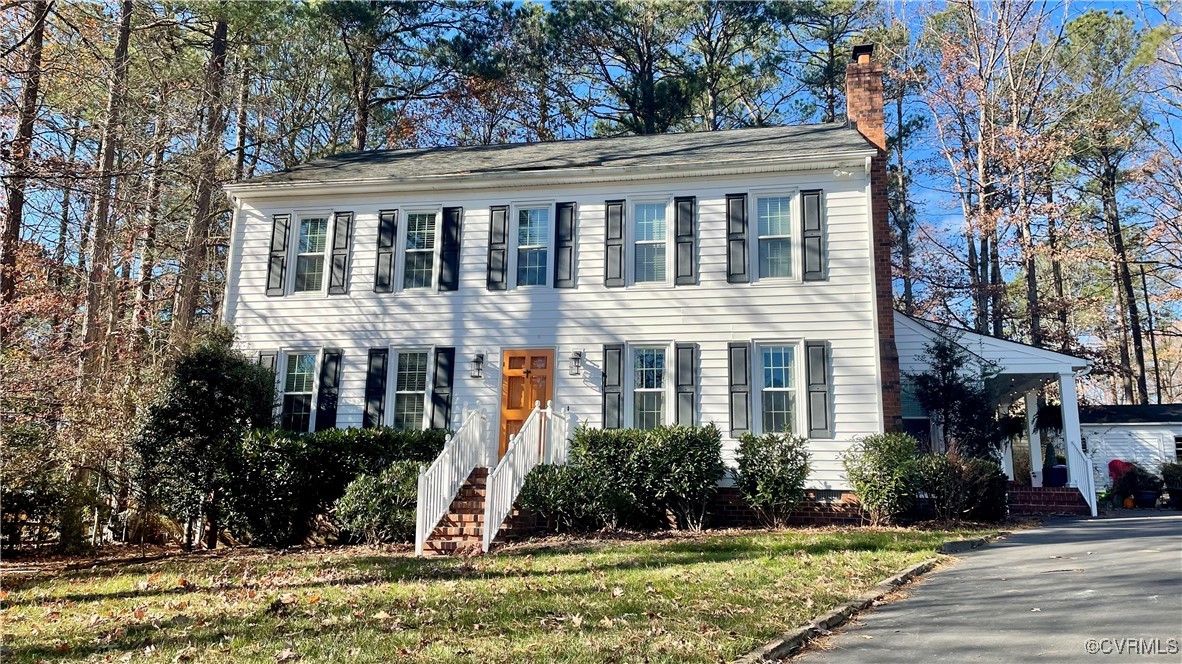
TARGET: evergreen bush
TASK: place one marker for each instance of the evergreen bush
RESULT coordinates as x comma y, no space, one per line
771,473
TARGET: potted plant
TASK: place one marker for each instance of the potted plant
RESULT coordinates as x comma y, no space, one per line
1171,474
1139,484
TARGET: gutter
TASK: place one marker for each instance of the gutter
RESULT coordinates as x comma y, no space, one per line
550,176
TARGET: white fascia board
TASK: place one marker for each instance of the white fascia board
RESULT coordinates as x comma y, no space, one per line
552,176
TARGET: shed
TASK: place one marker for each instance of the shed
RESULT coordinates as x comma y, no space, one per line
1149,435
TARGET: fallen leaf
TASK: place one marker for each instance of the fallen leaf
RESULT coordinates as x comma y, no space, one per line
287,655
381,615
576,620
617,592
314,599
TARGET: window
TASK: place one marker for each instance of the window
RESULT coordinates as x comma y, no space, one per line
410,390
778,398
533,234
1178,448
775,236
648,386
313,239
419,270
298,379
650,239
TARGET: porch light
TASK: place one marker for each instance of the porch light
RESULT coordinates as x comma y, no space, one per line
476,369
576,363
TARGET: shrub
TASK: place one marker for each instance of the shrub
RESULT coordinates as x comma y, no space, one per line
1135,478
1171,474
771,473
881,470
572,497
963,488
678,468
381,508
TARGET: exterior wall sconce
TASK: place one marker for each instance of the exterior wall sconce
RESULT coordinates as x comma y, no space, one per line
576,363
476,368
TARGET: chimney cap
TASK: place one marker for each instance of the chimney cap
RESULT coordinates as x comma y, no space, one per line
862,53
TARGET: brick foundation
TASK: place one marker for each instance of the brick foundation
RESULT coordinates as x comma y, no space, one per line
1032,501
820,508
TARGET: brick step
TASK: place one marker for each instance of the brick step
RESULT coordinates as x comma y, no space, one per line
461,519
449,532
450,548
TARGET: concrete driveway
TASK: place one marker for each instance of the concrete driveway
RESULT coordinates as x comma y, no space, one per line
1039,595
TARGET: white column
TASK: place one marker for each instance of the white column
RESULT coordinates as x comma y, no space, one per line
1071,432
1007,451
1034,438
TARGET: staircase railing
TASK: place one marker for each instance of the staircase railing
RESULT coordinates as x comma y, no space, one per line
464,451
1080,473
543,437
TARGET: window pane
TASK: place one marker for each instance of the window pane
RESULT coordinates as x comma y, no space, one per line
775,257
412,372
420,231
649,364
531,267
309,273
777,367
650,262
419,268
650,222
300,370
774,216
777,411
408,411
313,235
297,412
649,412
533,227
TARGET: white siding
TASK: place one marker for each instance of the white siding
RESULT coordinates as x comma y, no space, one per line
1145,443
473,319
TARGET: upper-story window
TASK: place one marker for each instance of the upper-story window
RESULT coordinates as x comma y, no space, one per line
312,241
648,387
533,237
774,231
419,270
650,237
298,380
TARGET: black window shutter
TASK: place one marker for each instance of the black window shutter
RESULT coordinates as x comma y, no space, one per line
342,233
267,359
820,415
737,268
613,386
813,236
498,247
330,385
277,261
739,369
445,361
613,258
564,245
383,280
375,387
687,383
686,227
449,265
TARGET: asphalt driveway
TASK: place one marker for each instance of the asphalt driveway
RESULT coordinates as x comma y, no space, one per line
1039,595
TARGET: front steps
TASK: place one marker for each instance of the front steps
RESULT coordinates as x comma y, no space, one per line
461,530
1043,500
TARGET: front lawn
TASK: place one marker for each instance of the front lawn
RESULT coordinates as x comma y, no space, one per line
676,599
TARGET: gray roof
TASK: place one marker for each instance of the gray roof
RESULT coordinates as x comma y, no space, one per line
1131,414
705,148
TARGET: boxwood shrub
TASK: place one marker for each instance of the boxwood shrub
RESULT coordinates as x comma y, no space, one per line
380,507
881,470
770,474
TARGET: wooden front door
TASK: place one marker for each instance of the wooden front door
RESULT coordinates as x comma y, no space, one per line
528,377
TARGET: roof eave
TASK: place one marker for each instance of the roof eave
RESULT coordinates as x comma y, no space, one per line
553,176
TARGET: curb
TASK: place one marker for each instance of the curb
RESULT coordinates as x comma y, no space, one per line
790,642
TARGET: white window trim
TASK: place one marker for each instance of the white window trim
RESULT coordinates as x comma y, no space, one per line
630,243
797,225
293,251
514,226
402,242
392,383
798,374
318,355
630,381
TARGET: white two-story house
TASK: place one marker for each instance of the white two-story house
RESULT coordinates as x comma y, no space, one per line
736,277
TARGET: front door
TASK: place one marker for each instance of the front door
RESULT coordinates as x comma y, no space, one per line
528,377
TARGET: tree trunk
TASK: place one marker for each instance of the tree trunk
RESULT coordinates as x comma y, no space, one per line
996,288
902,212
101,244
20,150
208,149
240,125
1057,277
63,227
362,91
1124,277
143,291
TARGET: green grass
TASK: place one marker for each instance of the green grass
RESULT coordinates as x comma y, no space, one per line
676,599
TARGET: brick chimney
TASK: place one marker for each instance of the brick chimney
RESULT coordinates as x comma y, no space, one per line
863,95
863,90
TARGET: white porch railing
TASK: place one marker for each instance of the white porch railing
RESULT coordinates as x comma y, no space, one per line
1080,473
544,437
464,451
